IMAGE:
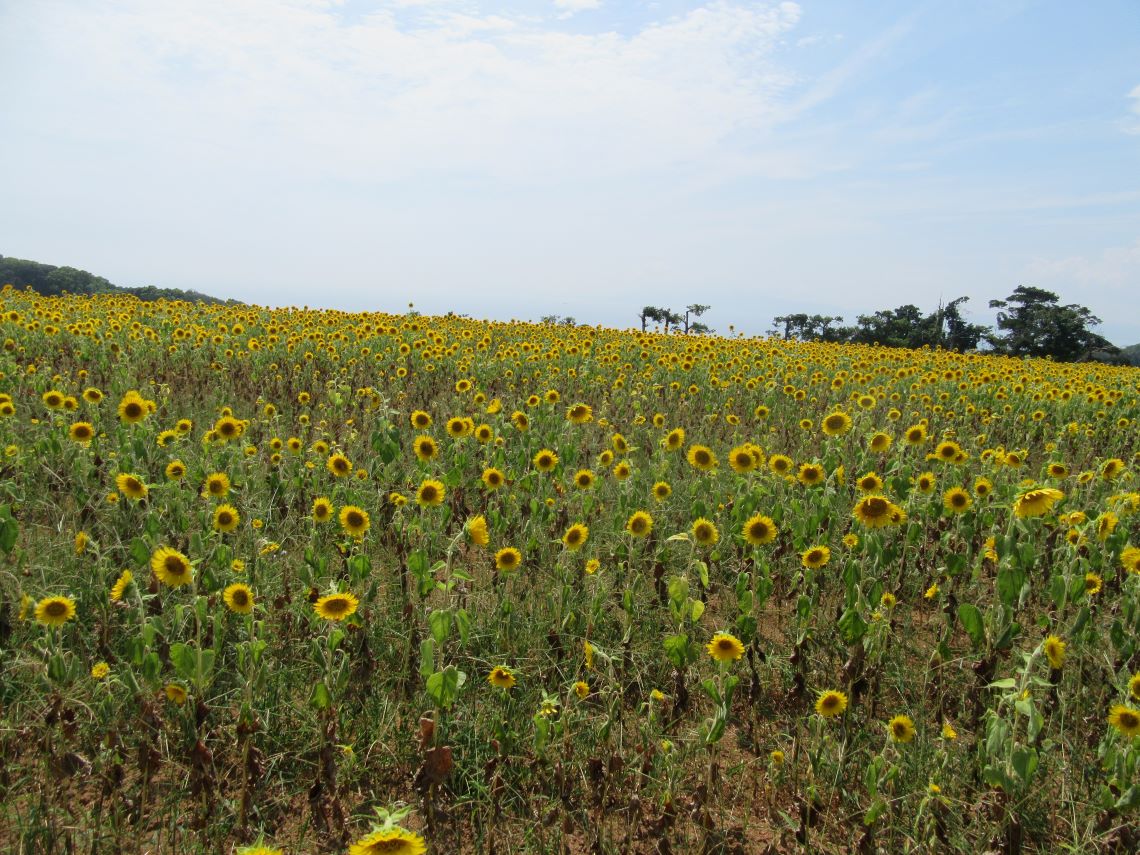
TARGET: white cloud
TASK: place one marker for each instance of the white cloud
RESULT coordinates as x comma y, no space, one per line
577,5
403,90
1132,123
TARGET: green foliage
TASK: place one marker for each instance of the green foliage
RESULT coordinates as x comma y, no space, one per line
51,281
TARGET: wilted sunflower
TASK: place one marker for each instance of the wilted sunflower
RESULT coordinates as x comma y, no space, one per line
831,704
1054,651
171,567
226,518
430,493
238,598
901,728
836,424
131,486
507,559
82,432
354,521
701,457
336,606
1125,719
759,530
815,557
575,536
956,500
1036,502
640,524
705,532
501,677
476,531
725,647
425,447
175,693
55,611
322,509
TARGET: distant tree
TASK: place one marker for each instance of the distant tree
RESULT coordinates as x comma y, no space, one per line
956,332
803,327
651,313
49,280
1131,353
697,328
1032,322
670,318
695,310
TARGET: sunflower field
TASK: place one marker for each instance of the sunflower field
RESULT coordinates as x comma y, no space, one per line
290,581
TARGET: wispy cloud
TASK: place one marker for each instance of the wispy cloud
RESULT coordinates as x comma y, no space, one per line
1132,123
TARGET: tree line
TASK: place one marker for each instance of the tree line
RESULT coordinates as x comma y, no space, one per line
50,281
1030,322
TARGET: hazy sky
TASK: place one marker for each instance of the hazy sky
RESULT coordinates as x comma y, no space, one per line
580,157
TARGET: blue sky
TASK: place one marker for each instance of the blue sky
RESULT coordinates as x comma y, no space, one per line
580,157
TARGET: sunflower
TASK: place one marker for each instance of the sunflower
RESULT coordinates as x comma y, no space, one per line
322,509
92,395
100,670
870,483
484,433
811,474
1036,502
880,442
493,479
575,536
507,559
1111,468
53,399
175,693
420,420
639,524
836,424
389,841
1106,525
131,486
1130,559
227,428
55,611
661,491
705,532
741,459
725,647
876,512
354,521
815,557
956,500
1125,719
1134,687
579,414
1054,649
133,408
501,677
780,464
622,471
217,486
759,530
674,439
1093,584
238,598
701,457
584,479
336,606
226,518
1058,470
592,566
430,493
339,465
519,420
983,487
831,703
171,567
582,690
82,432
425,447
915,434
120,586
925,483
476,531
901,728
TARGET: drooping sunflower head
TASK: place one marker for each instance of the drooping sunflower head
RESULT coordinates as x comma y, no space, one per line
477,532
1054,649
1036,502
